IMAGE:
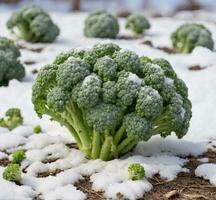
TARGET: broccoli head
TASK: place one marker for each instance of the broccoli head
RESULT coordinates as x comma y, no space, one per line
37,129
10,66
101,24
136,171
110,99
13,119
188,36
12,173
33,24
137,23
18,156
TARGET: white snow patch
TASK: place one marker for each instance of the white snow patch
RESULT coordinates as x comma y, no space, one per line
207,171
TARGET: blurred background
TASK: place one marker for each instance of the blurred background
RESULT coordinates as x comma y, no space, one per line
152,8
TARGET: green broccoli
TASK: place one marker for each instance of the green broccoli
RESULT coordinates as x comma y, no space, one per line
188,36
137,23
37,129
101,24
33,24
12,173
136,171
18,156
113,99
10,66
13,119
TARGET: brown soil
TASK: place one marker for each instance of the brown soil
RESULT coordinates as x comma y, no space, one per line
165,49
29,62
34,71
4,162
86,187
34,49
128,37
47,173
123,13
196,68
185,187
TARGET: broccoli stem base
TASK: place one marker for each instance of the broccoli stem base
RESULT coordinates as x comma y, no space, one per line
105,146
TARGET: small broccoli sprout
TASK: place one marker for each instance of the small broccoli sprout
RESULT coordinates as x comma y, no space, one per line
33,24
137,23
18,156
13,119
10,66
188,36
136,171
110,99
12,173
101,24
37,129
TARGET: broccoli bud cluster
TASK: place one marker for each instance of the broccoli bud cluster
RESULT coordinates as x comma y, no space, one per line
110,99
137,23
189,36
10,66
101,24
33,24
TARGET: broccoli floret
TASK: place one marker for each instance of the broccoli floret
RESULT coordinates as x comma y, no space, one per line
101,24
106,68
136,171
109,92
18,156
137,23
110,99
32,23
37,129
128,61
188,36
149,102
153,76
10,66
127,86
107,49
13,119
12,173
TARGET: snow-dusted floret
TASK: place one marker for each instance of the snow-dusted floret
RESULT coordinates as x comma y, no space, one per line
101,24
12,173
137,23
33,24
189,36
110,99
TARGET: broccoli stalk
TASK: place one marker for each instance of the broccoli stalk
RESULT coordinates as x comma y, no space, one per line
110,99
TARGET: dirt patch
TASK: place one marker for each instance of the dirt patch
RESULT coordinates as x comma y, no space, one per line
196,68
72,145
165,49
123,13
128,37
34,71
33,49
185,187
4,162
48,173
86,187
29,62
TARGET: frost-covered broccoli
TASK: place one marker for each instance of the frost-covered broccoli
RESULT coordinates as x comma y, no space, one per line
189,36
113,99
37,129
101,24
13,119
136,171
12,173
137,23
33,24
10,66
18,156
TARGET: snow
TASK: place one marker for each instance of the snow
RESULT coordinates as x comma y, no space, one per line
165,157
134,78
207,171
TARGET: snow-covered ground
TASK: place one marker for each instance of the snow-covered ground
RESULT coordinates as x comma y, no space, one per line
162,156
